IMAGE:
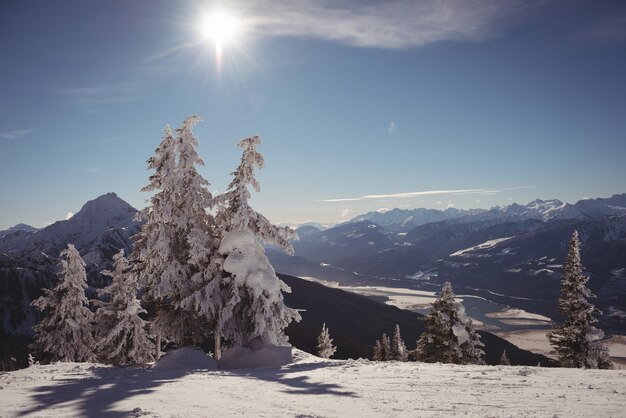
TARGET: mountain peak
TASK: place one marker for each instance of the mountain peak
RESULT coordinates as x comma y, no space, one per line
103,205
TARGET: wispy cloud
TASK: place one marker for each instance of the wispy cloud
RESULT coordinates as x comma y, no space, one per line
413,194
103,94
392,128
391,24
16,134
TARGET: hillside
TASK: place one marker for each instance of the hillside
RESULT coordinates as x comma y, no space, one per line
312,387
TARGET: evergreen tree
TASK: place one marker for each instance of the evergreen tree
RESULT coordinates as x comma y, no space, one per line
65,332
121,337
325,347
450,336
252,300
471,350
377,351
504,360
385,348
577,342
398,349
173,250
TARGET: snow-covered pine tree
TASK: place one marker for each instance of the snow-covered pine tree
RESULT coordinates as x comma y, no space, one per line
377,351
398,348
65,332
471,350
578,343
253,306
385,348
172,251
325,347
121,337
504,359
450,336
438,342
153,258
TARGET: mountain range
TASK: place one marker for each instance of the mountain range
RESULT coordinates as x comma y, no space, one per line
29,258
511,255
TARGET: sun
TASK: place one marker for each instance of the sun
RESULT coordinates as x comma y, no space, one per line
221,27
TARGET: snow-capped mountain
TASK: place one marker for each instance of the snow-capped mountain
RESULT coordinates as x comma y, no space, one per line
511,255
17,228
103,225
28,259
403,220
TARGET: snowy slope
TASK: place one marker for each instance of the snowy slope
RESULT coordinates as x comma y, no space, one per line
312,387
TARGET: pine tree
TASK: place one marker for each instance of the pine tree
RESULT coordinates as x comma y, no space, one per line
577,342
253,306
450,336
65,332
173,250
325,347
504,360
471,350
398,349
385,348
121,337
377,351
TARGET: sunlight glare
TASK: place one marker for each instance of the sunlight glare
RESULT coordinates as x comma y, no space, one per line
221,27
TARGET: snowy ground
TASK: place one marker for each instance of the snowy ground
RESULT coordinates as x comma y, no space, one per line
311,387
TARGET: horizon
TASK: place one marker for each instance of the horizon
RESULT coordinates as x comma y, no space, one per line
412,104
313,221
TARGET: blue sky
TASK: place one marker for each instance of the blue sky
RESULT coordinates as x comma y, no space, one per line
460,103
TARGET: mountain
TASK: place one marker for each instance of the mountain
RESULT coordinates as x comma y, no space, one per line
105,224
102,226
29,259
510,255
17,228
402,220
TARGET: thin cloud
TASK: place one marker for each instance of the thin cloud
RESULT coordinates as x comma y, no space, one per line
392,128
412,194
16,134
392,24
103,94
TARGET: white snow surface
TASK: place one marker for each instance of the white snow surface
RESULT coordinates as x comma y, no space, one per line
485,245
185,358
313,387
263,356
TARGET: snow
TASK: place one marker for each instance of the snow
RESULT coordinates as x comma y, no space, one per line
484,246
313,387
246,358
187,359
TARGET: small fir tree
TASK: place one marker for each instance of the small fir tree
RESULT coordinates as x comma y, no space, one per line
377,351
325,347
398,350
121,336
385,348
576,341
504,360
252,302
472,349
65,332
450,336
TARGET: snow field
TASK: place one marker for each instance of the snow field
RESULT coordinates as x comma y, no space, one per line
311,386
